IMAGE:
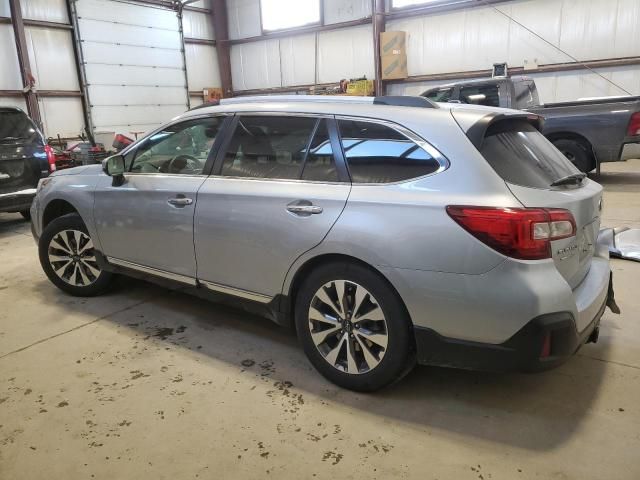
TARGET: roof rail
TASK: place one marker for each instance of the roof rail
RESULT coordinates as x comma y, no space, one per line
399,101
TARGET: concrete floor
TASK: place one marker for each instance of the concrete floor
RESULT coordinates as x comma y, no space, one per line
148,383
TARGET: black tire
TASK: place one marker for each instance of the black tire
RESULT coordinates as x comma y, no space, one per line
399,356
578,153
98,283
26,214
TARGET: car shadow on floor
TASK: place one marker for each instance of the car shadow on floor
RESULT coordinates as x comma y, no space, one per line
613,181
537,412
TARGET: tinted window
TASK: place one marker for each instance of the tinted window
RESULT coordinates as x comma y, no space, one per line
268,147
320,165
441,95
16,127
480,95
523,156
178,149
376,153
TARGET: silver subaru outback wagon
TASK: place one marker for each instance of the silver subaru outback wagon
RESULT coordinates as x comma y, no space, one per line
387,230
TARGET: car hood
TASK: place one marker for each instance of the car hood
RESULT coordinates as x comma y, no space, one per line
84,169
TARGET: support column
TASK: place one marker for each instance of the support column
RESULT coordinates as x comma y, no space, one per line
28,81
378,20
221,32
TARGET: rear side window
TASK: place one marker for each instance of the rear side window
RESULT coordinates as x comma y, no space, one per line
17,128
480,95
268,147
521,155
377,153
440,95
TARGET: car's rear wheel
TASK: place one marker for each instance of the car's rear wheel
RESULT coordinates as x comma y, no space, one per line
354,327
68,257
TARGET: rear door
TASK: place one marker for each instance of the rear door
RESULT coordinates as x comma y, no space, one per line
22,157
529,164
276,193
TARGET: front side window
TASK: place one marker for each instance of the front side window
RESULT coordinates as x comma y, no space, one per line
180,149
377,153
481,95
268,147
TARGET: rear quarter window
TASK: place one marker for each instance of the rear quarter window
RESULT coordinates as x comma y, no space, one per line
521,155
377,153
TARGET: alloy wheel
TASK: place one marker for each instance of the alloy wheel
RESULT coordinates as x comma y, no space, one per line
72,258
348,327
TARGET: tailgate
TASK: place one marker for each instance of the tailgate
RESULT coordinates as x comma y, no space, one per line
21,167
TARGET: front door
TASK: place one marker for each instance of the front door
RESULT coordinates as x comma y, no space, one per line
276,194
147,222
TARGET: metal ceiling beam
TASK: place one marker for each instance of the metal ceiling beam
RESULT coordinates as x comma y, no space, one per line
378,22
223,45
28,80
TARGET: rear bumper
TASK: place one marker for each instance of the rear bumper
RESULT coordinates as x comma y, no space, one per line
17,201
522,352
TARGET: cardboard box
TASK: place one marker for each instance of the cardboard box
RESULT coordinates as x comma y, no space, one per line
393,43
393,55
211,94
394,67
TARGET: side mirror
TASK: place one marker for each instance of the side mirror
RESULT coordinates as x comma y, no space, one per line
114,167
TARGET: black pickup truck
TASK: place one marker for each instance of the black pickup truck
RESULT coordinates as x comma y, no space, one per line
588,132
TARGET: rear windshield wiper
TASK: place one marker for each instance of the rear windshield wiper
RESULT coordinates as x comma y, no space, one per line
569,179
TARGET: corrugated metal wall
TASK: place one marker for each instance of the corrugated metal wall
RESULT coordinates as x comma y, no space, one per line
457,41
475,38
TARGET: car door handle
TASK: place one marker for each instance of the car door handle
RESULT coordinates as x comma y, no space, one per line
180,201
304,209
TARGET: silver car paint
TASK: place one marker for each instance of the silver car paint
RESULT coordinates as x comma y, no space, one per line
449,281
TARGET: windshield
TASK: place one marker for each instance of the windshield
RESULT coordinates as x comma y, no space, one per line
16,127
521,155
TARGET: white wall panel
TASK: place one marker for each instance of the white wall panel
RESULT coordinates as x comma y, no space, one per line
61,116
5,11
202,66
52,58
105,95
256,65
127,75
336,11
48,10
244,18
133,116
345,53
10,78
201,4
13,102
197,25
107,32
298,60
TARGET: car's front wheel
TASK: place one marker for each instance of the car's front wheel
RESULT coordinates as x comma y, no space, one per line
68,258
354,327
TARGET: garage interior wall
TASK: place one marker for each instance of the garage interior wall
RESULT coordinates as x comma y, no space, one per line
461,40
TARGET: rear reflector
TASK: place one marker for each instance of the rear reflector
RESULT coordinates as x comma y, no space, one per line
51,158
523,233
634,125
546,346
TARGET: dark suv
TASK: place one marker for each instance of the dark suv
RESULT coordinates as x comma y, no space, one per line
24,159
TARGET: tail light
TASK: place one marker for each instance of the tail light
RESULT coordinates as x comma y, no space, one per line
634,125
523,233
51,158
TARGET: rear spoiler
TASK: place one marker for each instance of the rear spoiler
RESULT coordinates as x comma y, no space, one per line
477,131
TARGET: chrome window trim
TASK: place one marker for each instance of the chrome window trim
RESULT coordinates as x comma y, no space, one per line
443,161
153,271
236,292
